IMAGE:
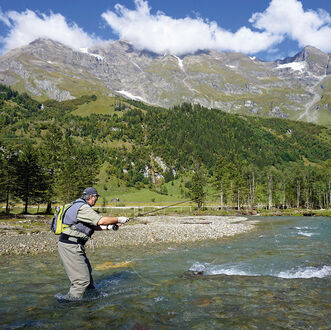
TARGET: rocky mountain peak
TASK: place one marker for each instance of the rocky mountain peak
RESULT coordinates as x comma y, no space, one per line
233,82
317,61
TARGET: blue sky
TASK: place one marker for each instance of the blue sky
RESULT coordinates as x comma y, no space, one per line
267,29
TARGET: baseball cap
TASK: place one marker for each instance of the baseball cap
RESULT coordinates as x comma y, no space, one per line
90,191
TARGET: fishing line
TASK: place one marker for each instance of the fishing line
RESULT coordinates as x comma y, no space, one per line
116,227
141,215
144,279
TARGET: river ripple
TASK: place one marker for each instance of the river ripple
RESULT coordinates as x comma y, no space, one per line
277,276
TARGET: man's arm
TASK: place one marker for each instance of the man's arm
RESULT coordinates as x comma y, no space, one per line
105,221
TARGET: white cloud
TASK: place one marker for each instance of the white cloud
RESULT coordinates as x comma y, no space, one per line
163,34
27,26
288,18
4,18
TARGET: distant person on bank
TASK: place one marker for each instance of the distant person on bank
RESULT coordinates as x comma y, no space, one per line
71,246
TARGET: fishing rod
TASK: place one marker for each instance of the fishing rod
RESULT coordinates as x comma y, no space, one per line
116,227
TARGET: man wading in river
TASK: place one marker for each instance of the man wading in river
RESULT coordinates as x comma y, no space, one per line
82,221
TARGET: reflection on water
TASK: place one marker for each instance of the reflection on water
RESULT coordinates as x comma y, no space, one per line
275,277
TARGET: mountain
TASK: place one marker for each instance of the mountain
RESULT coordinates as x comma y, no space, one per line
142,149
317,61
297,88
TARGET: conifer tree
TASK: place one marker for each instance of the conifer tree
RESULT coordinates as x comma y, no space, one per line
51,157
78,170
30,179
197,187
8,160
221,178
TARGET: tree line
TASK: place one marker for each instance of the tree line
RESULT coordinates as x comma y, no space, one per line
56,169
47,153
292,185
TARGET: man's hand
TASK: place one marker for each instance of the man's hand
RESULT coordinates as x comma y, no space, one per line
122,219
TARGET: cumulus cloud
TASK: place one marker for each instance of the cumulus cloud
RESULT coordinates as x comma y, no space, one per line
27,26
163,34
4,18
288,18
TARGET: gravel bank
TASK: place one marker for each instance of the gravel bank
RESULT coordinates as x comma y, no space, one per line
142,231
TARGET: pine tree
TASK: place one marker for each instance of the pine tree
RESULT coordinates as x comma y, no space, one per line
8,161
197,187
221,177
78,170
30,179
51,157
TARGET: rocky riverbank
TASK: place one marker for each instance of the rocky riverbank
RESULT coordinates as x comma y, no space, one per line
32,236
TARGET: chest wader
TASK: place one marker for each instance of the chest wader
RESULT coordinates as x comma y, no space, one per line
72,252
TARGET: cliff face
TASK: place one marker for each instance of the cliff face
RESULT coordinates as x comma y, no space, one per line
233,82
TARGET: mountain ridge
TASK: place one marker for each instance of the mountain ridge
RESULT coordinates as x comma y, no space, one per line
297,87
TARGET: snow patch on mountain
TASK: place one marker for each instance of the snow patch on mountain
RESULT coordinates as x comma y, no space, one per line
85,51
294,66
180,62
131,96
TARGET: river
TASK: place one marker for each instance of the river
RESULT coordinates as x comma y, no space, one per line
277,276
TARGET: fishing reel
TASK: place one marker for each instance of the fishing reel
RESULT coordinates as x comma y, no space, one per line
113,227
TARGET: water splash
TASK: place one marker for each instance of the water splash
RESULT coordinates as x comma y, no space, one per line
158,299
198,268
90,296
305,233
306,272
248,270
231,269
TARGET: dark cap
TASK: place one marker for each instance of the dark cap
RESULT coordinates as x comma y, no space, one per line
90,191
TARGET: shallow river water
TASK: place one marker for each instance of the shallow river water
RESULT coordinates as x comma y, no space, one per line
275,277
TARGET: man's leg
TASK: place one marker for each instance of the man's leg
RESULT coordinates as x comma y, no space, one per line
91,285
77,267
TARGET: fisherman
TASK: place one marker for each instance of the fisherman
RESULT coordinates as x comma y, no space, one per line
82,221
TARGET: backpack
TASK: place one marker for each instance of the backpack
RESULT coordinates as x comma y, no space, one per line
57,225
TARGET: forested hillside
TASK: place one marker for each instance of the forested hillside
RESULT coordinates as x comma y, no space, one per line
49,154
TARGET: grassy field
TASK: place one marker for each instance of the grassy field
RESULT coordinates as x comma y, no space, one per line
103,105
111,190
164,209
